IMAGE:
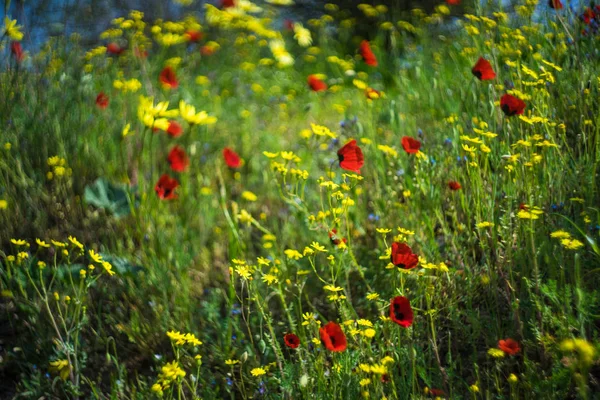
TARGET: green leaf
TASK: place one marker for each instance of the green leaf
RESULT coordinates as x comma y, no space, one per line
110,197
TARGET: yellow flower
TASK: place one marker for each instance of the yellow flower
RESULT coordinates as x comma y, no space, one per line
302,35
584,351
495,353
247,195
171,371
231,362
245,217
19,242
369,333
177,337
258,372
12,30
560,234
156,388
318,247
75,242
108,268
188,112
41,243
372,296
512,378
3,204
571,244
269,279
125,131
484,224
293,254
95,256
525,214
387,360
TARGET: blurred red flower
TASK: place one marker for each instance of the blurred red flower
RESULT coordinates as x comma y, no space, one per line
193,36
351,157
165,187
17,51
483,70
403,257
113,48
401,311
512,105
316,84
555,4
333,337
231,158
410,145
174,129
102,100
509,346
168,78
453,185
367,54
178,160
292,341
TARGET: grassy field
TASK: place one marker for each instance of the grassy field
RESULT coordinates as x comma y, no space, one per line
400,205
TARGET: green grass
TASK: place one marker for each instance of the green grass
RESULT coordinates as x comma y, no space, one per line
196,264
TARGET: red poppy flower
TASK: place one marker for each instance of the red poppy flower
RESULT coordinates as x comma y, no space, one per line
512,105
523,206
193,36
113,48
207,50
178,160
453,2
410,145
174,129
227,3
555,4
367,54
231,158
333,337
403,257
168,78
436,392
401,311
483,70
17,51
102,100
588,16
292,341
453,185
288,24
316,84
334,238
509,346
351,157
165,187
372,94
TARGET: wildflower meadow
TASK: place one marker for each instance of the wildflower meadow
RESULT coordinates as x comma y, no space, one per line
288,199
